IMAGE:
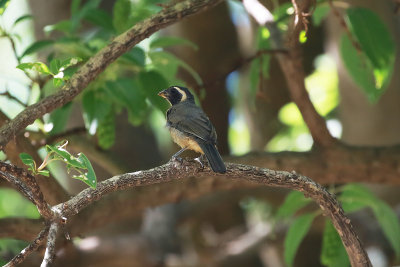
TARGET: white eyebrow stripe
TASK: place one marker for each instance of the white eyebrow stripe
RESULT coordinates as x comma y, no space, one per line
184,96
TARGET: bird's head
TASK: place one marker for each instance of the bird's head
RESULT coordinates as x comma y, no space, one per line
177,94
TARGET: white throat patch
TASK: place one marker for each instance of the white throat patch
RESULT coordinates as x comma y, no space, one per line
184,96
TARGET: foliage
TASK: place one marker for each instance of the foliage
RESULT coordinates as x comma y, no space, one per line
353,197
371,68
80,164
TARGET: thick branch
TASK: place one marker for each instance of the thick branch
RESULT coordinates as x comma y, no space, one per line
26,184
176,171
96,64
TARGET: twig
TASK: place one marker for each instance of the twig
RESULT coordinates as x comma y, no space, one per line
96,64
177,171
292,68
239,64
10,96
29,249
28,187
54,193
50,253
343,23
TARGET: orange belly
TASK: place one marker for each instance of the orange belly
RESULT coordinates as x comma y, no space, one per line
184,141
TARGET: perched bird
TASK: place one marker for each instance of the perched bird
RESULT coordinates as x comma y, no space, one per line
190,127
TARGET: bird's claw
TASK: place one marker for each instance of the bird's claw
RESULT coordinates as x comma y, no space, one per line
178,159
199,161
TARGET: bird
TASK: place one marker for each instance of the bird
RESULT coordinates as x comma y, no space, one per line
190,127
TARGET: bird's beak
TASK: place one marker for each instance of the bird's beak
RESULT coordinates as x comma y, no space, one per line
163,94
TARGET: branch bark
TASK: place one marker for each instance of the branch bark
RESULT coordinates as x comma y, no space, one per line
291,65
176,171
26,184
29,249
96,64
50,253
173,171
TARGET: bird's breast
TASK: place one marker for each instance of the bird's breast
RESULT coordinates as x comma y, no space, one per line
184,141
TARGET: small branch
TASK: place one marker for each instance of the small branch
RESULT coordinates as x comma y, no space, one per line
97,64
50,253
343,24
29,249
10,96
292,68
54,193
178,171
239,64
28,187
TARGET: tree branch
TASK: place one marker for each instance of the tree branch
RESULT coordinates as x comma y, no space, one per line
292,68
177,171
26,184
29,249
50,253
96,64
51,189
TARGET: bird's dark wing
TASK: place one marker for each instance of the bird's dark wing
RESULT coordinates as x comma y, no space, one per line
191,120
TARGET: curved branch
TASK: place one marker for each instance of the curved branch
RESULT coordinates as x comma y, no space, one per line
96,64
26,184
177,171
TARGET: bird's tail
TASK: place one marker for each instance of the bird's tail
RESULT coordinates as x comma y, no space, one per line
213,157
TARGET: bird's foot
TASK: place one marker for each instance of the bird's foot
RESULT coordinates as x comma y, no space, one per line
178,159
199,160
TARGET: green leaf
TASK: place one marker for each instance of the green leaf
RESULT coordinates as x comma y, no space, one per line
389,223
44,173
88,178
106,131
36,66
165,62
354,197
151,83
333,253
136,55
295,235
22,18
36,46
359,196
59,118
100,18
294,201
373,35
320,13
167,41
64,26
65,156
3,5
55,65
28,160
377,45
359,68
121,15
96,106
127,93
